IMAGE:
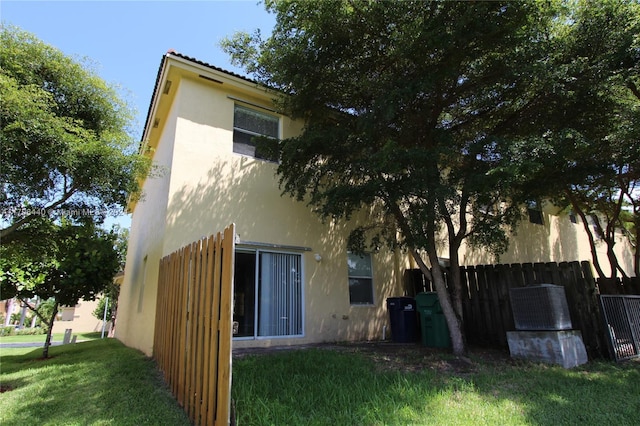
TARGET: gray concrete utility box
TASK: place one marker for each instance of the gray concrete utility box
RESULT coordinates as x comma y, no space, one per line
552,347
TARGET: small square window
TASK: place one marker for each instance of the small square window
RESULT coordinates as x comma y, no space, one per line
572,217
360,279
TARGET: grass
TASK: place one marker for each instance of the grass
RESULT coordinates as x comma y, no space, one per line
322,387
99,382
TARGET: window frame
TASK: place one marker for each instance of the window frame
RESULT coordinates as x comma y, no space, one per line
251,133
534,211
257,253
372,301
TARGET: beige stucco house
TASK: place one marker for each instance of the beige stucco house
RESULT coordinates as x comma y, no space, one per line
78,318
198,132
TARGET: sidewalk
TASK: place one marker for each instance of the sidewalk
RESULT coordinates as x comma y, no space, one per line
27,345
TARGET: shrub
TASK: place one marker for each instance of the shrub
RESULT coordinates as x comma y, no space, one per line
8,330
31,331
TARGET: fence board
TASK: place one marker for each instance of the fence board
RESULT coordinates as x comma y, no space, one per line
466,305
517,275
215,314
503,278
498,333
474,327
528,274
540,271
192,336
632,285
225,328
200,318
483,292
207,321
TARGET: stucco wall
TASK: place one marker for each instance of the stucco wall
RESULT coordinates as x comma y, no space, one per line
556,240
79,318
212,186
137,302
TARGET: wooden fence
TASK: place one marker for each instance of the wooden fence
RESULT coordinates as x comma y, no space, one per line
629,286
193,328
487,306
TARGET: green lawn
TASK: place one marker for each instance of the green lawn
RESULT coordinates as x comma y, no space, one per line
423,387
101,382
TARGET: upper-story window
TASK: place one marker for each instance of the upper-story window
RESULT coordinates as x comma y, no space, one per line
249,124
534,208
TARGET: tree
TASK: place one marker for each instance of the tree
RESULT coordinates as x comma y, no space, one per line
406,105
585,152
112,292
79,263
66,150
68,161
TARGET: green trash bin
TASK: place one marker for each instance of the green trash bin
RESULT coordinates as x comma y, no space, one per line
433,325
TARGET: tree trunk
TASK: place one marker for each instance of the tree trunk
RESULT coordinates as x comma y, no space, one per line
636,255
455,326
47,342
9,310
455,282
585,224
437,277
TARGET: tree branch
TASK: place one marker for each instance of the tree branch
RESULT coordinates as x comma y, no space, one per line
585,223
4,233
634,89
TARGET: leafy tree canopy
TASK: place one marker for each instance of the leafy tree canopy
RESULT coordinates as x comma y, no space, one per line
406,105
79,262
584,140
435,112
66,150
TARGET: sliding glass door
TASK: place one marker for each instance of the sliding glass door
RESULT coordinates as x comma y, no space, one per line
268,294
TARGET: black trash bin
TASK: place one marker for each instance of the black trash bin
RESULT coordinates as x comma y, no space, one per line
403,318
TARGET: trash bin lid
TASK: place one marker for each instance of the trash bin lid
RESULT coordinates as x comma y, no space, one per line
401,303
427,299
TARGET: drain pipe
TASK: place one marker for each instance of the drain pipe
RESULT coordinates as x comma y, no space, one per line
384,333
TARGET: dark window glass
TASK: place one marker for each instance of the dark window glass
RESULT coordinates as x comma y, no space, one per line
360,279
255,133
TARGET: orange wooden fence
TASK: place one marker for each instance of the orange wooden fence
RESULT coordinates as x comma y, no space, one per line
193,329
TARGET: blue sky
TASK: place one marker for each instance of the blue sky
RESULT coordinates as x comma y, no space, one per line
127,39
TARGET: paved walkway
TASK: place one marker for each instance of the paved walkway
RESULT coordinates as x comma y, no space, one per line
27,345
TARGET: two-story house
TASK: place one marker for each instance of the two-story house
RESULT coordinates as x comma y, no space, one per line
295,281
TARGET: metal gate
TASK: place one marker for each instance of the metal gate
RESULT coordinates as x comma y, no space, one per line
622,319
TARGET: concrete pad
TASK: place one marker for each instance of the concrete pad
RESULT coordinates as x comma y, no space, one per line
563,347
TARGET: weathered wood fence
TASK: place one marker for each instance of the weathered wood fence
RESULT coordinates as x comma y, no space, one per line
487,306
193,328
629,286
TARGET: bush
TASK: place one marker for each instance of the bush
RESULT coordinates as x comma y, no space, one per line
31,331
8,330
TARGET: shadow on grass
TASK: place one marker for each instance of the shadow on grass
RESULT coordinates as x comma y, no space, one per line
323,387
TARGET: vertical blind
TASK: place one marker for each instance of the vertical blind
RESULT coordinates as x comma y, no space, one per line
280,302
